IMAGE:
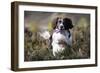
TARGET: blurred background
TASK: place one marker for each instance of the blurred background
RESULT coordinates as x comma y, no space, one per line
36,43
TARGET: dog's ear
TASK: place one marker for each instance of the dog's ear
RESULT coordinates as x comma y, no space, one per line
67,23
54,23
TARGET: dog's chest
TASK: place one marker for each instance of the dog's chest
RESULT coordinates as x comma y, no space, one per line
60,36
60,41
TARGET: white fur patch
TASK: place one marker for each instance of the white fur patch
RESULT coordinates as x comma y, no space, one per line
58,36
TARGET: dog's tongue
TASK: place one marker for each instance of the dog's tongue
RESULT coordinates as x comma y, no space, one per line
57,30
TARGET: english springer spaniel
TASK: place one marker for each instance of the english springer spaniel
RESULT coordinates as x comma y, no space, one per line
61,36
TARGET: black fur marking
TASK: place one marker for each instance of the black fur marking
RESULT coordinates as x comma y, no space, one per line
67,23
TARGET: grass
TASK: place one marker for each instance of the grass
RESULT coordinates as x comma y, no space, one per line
37,48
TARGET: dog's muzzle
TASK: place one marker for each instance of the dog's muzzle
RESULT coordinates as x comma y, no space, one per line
61,27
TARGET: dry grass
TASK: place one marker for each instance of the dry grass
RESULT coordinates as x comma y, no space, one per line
36,48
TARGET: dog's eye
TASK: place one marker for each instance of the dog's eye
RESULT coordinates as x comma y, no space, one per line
59,21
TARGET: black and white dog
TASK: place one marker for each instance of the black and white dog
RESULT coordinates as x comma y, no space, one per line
61,36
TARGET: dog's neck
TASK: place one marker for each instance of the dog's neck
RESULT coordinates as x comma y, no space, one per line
62,31
58,30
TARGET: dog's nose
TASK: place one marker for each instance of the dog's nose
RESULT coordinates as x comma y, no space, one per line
61,27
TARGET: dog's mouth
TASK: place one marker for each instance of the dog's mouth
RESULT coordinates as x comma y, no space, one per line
61,28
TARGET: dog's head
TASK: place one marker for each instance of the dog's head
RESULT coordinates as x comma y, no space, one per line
62,23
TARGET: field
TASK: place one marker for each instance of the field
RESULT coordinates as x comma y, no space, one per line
36,48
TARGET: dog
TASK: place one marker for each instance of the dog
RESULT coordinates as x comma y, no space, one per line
61,36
